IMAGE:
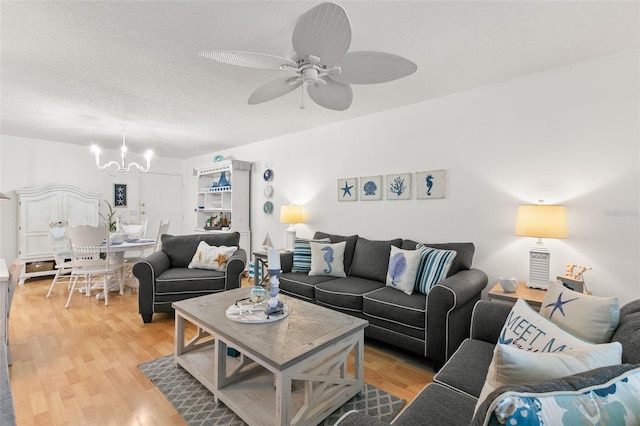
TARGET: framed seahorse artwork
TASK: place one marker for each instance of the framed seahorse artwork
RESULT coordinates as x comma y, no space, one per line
430,184
399,186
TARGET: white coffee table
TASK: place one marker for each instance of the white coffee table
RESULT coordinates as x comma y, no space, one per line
309,348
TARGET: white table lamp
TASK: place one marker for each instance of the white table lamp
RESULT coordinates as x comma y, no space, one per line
540,221
291,215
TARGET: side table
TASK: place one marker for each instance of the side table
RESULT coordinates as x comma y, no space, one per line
533,296
260,266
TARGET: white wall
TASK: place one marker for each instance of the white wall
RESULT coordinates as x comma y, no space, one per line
31,162
570,136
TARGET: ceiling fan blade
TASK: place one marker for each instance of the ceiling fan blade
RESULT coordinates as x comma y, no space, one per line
323,31
372,67
247,59
333,95
274,89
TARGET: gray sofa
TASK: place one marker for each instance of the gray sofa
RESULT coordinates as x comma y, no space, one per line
165,278
451,398
430,325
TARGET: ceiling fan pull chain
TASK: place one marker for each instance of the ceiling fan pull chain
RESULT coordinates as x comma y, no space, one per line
302,97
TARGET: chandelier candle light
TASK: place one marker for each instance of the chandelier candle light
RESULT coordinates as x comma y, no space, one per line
273,259
540,221
122,166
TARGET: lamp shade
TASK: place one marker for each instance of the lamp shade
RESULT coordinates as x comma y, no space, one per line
541,221
3,197
291,214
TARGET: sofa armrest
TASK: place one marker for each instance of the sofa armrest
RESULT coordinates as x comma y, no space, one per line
355,418
235,267
146,271
449,307
286,261
488,319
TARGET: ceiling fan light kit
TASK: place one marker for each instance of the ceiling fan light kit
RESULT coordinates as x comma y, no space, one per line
321,39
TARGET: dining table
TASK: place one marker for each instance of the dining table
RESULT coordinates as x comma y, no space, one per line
117,250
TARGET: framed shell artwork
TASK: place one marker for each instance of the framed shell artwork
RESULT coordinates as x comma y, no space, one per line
371,188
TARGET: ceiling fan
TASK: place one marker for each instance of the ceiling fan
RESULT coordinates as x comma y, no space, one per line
321,39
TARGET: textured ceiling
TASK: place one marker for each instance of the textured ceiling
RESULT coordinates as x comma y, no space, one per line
80,71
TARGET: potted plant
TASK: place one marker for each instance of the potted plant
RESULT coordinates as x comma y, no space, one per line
110,217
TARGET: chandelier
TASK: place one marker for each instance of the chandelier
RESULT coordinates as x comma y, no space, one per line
122,166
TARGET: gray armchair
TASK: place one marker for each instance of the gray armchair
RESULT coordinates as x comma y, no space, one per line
165,278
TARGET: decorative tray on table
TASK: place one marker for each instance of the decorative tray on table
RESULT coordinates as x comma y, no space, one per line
254,313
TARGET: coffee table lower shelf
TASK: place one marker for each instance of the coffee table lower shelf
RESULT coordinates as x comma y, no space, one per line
263,395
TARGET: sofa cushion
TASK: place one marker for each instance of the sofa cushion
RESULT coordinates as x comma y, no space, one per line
185,280
589,317
433,267
301,285
327,259
464,253
345,293
398,307
348,250
211,257
403,268
607,395
467,369
302,254
181,248
371,258
437,405
628,332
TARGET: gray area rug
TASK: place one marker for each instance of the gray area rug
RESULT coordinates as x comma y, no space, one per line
195,403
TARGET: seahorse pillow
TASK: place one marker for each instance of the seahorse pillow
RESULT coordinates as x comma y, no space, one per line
327,259
211,257
403,268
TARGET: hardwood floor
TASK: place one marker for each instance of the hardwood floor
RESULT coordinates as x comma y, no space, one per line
78,366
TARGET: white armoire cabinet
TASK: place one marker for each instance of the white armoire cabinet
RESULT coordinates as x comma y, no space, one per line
40,205
223,199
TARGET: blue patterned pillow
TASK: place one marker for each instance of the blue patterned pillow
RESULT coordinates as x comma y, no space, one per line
403,269
433,268
614,402
302,254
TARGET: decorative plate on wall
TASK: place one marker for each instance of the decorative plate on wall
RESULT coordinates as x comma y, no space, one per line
268,191
268,174
267,207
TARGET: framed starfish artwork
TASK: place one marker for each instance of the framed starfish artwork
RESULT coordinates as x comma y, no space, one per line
120,195
348,189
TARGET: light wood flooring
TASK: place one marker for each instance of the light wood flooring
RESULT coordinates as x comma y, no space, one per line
79,366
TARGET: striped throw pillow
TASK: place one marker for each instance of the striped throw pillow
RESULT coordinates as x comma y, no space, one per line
434,266
302,254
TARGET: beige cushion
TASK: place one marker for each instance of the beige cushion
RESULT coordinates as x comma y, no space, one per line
211,257
589,317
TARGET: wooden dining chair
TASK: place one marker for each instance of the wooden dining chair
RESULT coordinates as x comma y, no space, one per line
90,258
132,281
61,253
162,229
